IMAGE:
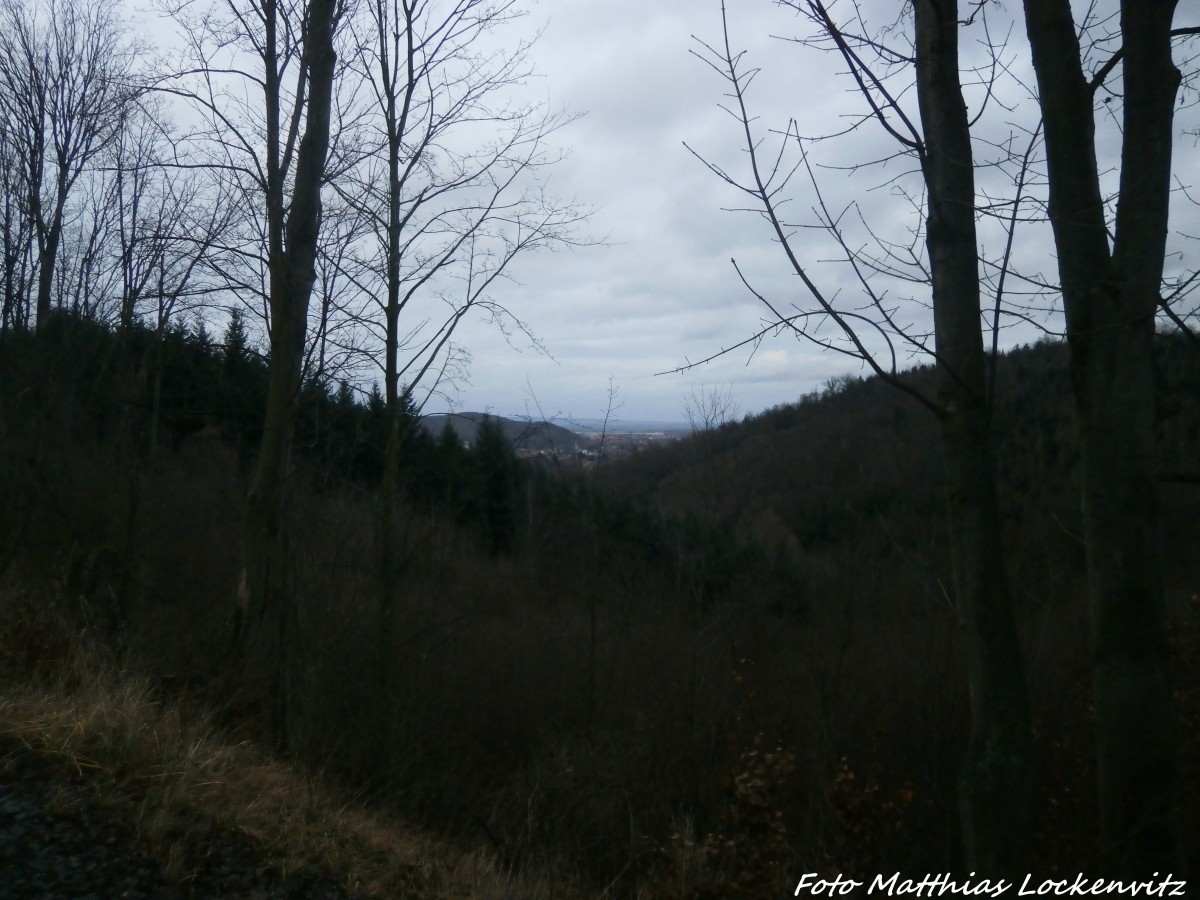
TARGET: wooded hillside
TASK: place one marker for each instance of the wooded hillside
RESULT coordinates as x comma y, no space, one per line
720,661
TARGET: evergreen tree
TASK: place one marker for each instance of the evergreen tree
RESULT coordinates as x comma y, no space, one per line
496,484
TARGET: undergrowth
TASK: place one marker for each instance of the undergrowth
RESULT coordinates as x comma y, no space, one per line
163,765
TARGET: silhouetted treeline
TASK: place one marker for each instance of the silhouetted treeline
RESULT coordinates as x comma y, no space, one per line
157,391
852,470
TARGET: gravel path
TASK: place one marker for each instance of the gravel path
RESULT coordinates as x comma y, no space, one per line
56,840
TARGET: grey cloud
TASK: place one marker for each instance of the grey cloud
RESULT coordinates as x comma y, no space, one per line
664,292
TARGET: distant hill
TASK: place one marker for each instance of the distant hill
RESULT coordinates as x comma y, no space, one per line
522,434
854,473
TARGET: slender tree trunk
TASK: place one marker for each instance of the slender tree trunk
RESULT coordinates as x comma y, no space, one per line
264,629
994,787
398,98
1110,300
16,245
47,256
9,317
391,459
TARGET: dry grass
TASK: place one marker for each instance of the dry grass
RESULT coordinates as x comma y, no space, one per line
162,765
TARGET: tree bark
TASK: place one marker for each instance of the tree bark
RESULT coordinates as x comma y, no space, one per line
994,785
47,256
1110,300
263,630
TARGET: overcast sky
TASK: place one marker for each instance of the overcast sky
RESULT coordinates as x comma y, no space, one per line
661,291
657,289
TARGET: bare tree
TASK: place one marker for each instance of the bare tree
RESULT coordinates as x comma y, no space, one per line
66,76
84,282
709,408
20,263
165,220
994,786
448,197
447,191
1111,270
274,152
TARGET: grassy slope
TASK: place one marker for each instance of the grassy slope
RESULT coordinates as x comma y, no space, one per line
162,764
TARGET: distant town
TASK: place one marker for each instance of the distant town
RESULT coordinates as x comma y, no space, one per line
585,442
597,446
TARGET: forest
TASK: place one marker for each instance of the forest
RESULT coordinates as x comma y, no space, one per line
603,671
940,617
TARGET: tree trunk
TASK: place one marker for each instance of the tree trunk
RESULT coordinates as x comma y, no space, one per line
47,256
263,631
994,786
1110,300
